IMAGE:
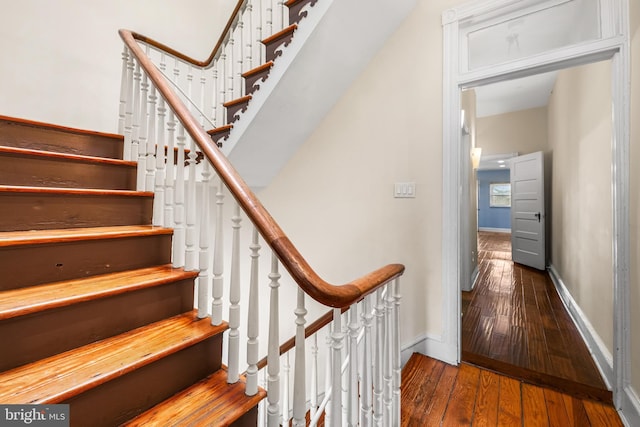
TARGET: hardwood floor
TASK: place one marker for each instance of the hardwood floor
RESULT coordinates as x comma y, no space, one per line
436,394
514,323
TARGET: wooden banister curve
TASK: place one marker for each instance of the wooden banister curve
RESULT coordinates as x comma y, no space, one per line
207,62
337,296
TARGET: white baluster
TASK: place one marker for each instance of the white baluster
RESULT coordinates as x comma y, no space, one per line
203,277
328,375
203,84
158,198
151,141
191,235
352,389
286,369
223,85
169,181
336,365
387,357
300,385
128,113
378,362
135,133
179,238
240,56
234,301
258,36
253,323
143,140
218,259
249,38
397,362
314,376
231,75
214,97
366,392
273,356
269,16
123,91
262,407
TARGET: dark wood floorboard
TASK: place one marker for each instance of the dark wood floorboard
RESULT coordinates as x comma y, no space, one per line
436,394
515,323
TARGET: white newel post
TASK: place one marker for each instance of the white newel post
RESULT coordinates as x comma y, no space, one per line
253,323
234,300
299,386
336,365
218,259
273,357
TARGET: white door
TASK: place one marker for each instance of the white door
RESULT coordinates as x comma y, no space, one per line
527,210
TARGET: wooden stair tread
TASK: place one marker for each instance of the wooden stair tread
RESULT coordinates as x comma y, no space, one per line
50,126
211,401
64,156
16,238
23,301
257,70
65,375
285,32
236,101
76,191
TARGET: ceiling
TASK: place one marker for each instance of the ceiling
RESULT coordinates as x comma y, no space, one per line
514,95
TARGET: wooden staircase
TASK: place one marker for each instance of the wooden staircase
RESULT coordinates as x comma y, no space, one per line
91,311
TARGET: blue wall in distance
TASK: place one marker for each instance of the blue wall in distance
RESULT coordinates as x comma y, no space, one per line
489,217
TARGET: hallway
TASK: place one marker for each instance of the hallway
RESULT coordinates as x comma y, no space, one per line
515,323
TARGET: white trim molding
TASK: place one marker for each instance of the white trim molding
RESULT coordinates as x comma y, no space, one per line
613,44
599,351
429,345
629,408
495,230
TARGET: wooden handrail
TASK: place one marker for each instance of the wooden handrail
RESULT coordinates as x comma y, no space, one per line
207,62
338,296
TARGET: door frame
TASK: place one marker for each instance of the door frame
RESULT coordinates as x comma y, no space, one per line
614,45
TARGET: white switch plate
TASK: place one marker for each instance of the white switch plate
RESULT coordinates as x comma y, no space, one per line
405,190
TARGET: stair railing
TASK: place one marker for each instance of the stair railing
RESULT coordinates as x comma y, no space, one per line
165,136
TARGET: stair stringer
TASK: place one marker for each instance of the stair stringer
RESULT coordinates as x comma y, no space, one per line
330,48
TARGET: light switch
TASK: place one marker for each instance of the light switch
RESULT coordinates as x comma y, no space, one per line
405,190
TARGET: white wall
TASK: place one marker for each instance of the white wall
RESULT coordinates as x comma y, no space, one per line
580,137
335,196
61,59
524,131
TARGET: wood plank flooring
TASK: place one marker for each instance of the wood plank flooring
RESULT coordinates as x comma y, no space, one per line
436,394
514,323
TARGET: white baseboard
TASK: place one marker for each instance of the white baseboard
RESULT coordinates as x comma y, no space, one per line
429,345
495,230
597,348
630,408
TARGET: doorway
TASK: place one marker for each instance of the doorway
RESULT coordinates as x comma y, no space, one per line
609,42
